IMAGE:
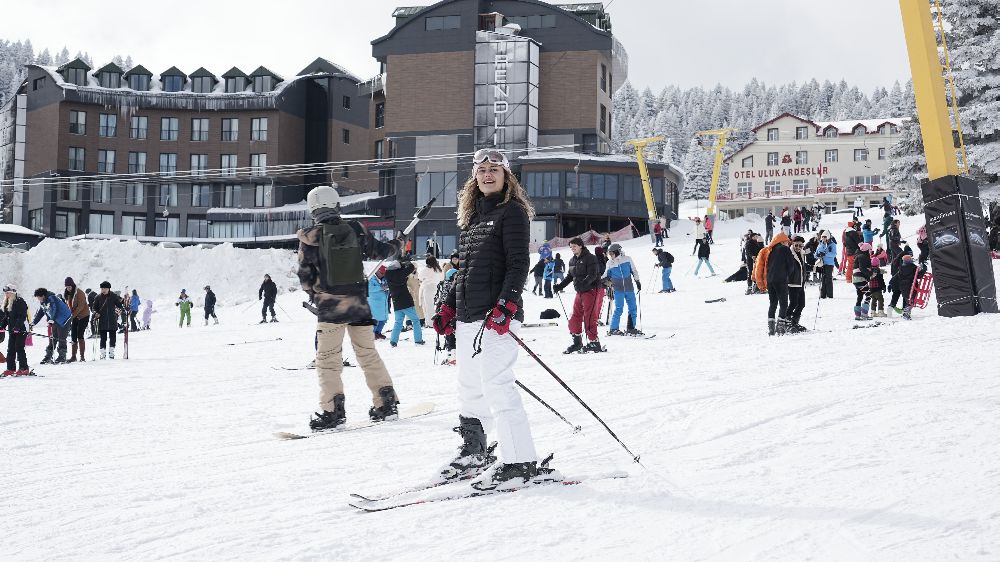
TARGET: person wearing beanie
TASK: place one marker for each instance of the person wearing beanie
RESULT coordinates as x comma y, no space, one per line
59,318
14,323
877,288
797,275
826,252
378,301
210,305
623,276
901,283
861,277
184,304
107,307
80,309
133,309
665,260
331,273
268,292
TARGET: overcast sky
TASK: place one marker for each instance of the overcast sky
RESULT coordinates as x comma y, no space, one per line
668,41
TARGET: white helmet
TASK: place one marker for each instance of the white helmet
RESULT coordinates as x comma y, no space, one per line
322,197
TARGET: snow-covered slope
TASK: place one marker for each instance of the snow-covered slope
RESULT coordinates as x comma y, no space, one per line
840,444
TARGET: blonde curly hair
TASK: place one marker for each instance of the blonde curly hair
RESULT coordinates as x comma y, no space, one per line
512,190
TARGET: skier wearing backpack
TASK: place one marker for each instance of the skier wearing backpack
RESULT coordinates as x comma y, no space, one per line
665,260
331,273
621,270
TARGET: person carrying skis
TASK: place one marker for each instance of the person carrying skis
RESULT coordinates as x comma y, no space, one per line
378,301
209,305
184,304
827,252
704,251
482,306
771,273
14,326
548,275
397,275
796,286
268,291
620,271
107,307
77,302
59,317
769,227
665,260
331,273
862,275
585,275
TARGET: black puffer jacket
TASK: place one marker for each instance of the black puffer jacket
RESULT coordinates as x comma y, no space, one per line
780,263
493,260
584,272
396,279
107,307
268,290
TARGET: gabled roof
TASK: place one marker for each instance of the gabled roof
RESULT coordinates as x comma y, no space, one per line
138,70
111,67
847,127
262,71
235,73
173,71
323,66
785,114
75,63
203,72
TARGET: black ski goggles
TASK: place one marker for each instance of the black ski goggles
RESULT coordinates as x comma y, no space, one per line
492,156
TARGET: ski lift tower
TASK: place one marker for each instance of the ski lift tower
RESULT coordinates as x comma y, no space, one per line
720,143
640,147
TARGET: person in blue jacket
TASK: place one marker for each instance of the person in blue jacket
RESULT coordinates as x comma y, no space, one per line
867,233
544,251
620,270
826,252
134,311
378,300
59,315
548,274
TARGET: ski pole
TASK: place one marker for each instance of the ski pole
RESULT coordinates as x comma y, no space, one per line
417,217
283,309
649,283
639,306
559,295
576,428
816,320
635,458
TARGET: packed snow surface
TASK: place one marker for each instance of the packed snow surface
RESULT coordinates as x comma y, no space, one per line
839,444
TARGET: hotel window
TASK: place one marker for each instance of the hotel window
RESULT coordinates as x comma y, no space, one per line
76,76
199,164
346,102
860,154
76,157
860,131
168,163
747,162
831,155
78,122
201,195
168,227
828,182
199,129
432,183
168,195
604,119
202,84
110,80
258,164
173,83
346,136
263,84
228,165
137,162
379,115
744,188
133,226
533,22
66,223
772,134
772,158
801,157
801,133
108,126
197,228
230,129
546,184
236,84
262,195
231,196
135,194
831,133
102,223
139,128
168,128
604,78
772,187
72,192
881,154
101,192
139,82
436,23
38,83
379,149
106,161
258,129
799,186
36,219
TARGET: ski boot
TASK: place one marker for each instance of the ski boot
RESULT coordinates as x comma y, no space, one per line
330,420
46,360
577,344
594,347
771,327
634,332
795,327
8,373
111,353
387,411
473,456
104,354
216,323
263,320
24,373
514,475
274,319
615,332
781,327
858,317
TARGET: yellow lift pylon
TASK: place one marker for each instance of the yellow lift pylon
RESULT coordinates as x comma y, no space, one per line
640,147
720,143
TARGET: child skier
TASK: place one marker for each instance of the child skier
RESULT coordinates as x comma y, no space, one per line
620,271
185,304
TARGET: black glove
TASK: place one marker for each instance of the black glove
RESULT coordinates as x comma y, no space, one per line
638,284
559,287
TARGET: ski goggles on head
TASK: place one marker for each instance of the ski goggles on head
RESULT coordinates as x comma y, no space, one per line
492,156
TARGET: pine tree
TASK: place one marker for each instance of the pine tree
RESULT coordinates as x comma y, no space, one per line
907,167
975,49
44,58
62,57
697,172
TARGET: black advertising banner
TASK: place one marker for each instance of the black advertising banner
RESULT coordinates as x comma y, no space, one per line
956,230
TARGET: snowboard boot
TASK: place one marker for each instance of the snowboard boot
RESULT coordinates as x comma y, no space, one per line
771,327
111,353
577,344
473,456
615,332
594,347
72,358
330,420
387,411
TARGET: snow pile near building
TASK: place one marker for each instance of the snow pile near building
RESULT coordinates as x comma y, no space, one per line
159,273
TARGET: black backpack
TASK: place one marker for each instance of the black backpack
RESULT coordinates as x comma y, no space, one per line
340,256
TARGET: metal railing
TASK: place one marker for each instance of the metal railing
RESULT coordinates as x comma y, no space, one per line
792,193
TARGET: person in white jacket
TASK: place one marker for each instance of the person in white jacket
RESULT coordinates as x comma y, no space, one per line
859,206
699,232
430,275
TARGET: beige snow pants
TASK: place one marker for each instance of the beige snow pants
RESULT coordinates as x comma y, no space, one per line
330,361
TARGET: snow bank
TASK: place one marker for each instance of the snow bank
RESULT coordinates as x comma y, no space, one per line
159,273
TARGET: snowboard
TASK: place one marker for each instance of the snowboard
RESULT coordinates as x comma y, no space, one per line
723,299
421,409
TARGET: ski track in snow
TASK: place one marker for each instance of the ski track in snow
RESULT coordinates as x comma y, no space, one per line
850,445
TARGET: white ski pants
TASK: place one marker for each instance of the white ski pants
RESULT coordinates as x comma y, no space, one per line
486,390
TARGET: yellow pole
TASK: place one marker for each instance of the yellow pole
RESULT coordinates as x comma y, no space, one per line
640,147
928,89
716,172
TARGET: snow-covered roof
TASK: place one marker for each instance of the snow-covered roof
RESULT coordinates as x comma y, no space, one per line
542,154
847,127
18,229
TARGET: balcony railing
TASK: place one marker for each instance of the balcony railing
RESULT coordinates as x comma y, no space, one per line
791,193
